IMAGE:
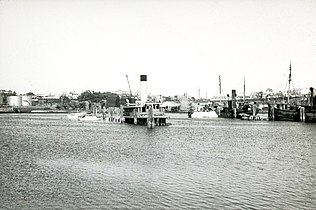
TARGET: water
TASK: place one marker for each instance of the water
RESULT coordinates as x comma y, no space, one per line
50,162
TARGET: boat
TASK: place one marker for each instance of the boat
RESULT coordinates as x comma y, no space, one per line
204,114
150,114
285,111
201,112
75,115
89,117
253,112
144,112
230,110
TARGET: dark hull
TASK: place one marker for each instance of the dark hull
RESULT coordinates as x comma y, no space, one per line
287,115
229,113
157,120
226,113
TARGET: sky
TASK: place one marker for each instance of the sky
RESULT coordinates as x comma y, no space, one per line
49,46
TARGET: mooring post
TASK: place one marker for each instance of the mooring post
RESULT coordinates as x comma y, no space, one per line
302,111
254,109
234,103
218,111
271,111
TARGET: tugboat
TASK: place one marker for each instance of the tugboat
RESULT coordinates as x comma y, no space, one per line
230,111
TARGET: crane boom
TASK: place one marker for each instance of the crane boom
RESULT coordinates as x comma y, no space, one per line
129,86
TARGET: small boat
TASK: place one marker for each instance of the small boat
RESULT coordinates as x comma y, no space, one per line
254,113
90,118
75,116
206,114
202,111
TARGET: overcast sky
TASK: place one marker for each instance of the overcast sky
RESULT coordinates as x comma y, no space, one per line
67,45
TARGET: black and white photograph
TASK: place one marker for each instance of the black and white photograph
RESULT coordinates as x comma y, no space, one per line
158,104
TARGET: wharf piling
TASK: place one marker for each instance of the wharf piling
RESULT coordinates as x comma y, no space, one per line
139,120
302,114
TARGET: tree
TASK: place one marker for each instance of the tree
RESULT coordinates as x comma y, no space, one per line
279,94
259,95
11,93
98,97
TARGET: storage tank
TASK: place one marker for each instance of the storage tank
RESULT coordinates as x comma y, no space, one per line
26,100
14,100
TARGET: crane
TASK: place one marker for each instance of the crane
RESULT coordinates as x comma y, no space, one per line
129,86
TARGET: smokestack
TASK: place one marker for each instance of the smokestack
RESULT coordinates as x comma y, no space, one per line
143,89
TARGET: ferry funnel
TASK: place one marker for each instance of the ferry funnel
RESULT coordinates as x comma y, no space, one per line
143,89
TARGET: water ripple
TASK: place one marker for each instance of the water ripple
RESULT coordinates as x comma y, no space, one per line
50,162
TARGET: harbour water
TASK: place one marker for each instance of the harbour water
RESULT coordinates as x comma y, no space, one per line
49,162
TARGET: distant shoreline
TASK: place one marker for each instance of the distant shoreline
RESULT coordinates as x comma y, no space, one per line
17,110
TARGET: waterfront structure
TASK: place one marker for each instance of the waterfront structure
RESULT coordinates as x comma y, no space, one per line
308,112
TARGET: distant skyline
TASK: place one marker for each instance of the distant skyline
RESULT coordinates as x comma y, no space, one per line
183,46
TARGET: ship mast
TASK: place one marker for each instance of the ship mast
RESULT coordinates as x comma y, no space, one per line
290,79
220,90
244,89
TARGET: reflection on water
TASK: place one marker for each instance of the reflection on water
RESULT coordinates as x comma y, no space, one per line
50,162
